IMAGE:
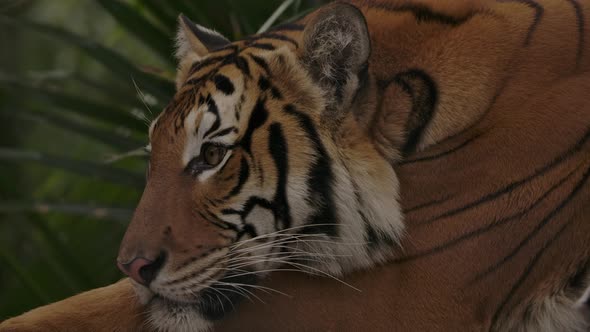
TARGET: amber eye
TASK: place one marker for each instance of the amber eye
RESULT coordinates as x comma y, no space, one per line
213,154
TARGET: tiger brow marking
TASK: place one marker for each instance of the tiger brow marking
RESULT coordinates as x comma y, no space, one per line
539,11
212,108
262,63
242,65
536,230
488,197
224,132
258,117
442,247
197,66
223,84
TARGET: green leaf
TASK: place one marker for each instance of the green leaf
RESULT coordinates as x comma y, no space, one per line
161,88
139,26
99,212
163,12
86,168
82,106
108,136
275,15
14,264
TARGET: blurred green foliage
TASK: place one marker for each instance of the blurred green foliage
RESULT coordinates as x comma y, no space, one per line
79,83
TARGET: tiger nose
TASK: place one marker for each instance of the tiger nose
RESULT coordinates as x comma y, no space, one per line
142,270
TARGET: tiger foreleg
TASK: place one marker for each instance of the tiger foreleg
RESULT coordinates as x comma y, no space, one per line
111,308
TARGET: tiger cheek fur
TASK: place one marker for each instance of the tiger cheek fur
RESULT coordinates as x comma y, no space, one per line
261,163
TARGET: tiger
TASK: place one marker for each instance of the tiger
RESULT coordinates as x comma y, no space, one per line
432,154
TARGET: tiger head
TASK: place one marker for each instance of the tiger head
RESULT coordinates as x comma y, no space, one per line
262,160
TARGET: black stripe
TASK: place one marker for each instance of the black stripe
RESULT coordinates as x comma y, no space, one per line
242,178
511,186
424,95
469,235
197,82
527,271
250,230
250,204
214,307
491,105
274,36
580,24
426,205
204,63
539,11
224,132
261,62
424,14
242,65
257,119
264,85
278,149
320,179
212,108
212,221
262,46
223,84
536,230
441,154
374,237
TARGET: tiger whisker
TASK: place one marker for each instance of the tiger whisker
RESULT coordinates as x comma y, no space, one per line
242,291
296,251
142,97
297,240
325,274
283,231
277,260
233,290
247,262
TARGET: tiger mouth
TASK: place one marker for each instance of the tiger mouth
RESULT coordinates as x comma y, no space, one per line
216,300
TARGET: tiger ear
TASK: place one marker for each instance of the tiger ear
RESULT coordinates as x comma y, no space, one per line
193,42
193,38
336,50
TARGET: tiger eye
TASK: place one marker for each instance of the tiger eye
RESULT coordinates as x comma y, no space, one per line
213,154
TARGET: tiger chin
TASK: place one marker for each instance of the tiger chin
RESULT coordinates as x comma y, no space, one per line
261,162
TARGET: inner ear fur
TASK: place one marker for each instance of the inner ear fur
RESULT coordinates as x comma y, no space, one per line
193,42
336,50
